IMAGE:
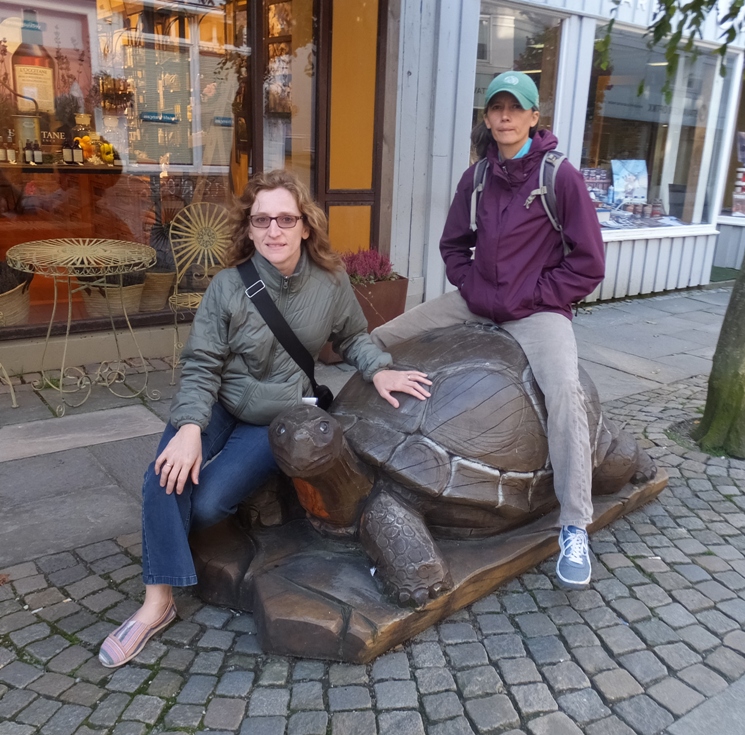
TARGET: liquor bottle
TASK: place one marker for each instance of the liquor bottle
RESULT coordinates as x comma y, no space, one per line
77,152
11,152
33,68
3,151
28,153
38,158
67,152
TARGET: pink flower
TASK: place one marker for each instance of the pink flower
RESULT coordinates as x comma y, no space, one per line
368,266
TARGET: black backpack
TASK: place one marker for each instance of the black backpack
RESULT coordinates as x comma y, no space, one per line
546,191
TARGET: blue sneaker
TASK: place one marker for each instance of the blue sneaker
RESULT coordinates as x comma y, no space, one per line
573,568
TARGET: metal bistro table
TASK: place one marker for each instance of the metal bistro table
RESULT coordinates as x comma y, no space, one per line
68,259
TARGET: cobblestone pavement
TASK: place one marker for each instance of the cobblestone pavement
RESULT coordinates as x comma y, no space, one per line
658,632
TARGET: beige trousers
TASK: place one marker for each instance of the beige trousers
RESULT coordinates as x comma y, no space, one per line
549,344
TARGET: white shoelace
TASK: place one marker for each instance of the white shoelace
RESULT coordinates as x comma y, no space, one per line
575,546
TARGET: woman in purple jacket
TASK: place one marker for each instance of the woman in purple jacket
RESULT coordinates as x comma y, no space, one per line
513,271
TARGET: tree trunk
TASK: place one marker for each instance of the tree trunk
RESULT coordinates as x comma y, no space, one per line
722,429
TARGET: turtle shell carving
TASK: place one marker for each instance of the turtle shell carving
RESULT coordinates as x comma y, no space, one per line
480,440
470,461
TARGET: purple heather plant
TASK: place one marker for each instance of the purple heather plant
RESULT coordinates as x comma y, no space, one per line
368,266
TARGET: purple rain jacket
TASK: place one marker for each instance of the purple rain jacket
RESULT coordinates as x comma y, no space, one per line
518,267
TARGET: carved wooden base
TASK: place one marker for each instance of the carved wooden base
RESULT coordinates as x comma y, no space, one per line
315,597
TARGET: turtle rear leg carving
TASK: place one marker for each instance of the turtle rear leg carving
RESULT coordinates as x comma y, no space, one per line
398,541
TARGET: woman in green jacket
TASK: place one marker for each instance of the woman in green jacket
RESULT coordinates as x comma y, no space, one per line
235,379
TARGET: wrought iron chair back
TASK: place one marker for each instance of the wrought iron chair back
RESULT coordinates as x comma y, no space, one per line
199,235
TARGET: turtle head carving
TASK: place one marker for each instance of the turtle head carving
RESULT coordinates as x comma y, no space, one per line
305,440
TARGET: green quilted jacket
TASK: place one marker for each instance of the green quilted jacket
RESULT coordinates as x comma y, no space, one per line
232,357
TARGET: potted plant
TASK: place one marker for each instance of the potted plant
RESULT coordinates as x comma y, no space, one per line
381,292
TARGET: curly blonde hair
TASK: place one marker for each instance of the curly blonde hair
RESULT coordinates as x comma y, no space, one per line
317,244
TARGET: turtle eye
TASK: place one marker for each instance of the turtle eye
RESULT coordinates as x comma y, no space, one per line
324,427
281,430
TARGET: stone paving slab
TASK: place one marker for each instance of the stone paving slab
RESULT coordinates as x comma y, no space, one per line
723,713
29,528
19,441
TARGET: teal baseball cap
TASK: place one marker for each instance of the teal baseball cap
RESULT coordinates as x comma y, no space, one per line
520,85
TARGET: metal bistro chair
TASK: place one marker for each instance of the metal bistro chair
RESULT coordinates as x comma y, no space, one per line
199,235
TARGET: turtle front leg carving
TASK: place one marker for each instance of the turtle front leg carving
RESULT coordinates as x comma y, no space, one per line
398,541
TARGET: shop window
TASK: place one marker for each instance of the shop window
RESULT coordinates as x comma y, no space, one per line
647,157
733,203
521,40
134,111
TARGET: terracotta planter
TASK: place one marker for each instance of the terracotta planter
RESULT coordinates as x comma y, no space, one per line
380,301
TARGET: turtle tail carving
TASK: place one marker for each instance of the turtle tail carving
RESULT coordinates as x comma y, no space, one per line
398,541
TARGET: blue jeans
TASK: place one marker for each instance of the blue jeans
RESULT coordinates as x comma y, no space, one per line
241,462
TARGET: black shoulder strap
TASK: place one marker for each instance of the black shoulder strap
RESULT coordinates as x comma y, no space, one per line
256,291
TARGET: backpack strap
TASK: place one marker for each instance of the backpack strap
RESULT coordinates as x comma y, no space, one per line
547,191
479,176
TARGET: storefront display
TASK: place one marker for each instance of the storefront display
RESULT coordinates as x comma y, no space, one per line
653,141
102,132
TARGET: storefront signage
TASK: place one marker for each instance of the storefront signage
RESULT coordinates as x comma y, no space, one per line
160,117
621,102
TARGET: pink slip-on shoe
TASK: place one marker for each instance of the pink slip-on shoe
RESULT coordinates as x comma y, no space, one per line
130,638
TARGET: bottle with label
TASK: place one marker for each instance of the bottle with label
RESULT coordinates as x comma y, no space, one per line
11,152
33,68
77,152
3,151
38,158
28,152
67,151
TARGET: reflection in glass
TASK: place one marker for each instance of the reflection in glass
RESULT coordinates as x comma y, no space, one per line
289,88
521,40
675,137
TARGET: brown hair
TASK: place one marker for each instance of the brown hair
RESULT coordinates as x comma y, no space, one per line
317,244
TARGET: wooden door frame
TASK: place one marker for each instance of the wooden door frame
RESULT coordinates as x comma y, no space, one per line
325,196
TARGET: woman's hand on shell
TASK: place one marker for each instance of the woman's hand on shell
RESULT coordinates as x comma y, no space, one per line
401,381
181,459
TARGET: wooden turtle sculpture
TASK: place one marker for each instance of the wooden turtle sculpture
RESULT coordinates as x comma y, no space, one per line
471,461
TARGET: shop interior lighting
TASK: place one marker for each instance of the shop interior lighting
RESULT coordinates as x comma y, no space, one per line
657,63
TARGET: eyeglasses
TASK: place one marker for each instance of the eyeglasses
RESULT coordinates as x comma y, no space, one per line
284,221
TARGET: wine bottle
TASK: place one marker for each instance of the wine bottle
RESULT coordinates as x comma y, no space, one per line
28,153
77,152
11,152
3,151
67,151
38,157
33,68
